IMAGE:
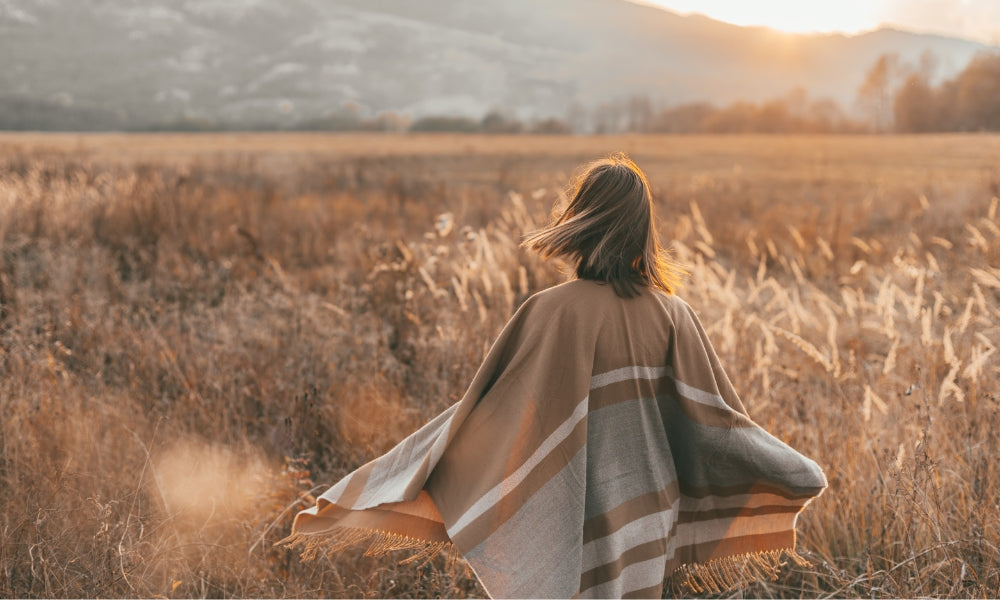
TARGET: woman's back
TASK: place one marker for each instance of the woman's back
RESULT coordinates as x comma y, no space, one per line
600,447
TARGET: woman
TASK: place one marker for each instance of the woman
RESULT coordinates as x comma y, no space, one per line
599,450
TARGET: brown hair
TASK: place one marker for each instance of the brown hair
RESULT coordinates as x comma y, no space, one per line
609,230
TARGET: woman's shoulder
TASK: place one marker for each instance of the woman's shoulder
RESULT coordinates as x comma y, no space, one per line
591,296
574,292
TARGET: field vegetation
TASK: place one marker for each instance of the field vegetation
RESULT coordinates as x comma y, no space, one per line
198,334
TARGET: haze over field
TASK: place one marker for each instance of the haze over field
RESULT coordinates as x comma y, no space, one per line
121,64
200,333
969,19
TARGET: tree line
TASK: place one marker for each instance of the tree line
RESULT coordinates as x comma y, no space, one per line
893,97
968,102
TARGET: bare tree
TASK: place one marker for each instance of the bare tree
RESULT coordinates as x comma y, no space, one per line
875,94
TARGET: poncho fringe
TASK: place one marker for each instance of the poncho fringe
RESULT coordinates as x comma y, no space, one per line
600,451
716,576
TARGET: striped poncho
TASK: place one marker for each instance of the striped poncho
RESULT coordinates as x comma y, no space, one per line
599,450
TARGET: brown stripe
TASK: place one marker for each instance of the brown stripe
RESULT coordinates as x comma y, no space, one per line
355,485
724,491
612,570
494,442
653,591
690,516
704,414
665,390
697,365
420,479
379,519
629,389
507,506
641,506
744,544
420,506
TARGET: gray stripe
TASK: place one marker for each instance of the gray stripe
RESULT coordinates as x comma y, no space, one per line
701,396
752,454
623,467
636,576
646,529
544,570
637,372
626,373
393,471
510,482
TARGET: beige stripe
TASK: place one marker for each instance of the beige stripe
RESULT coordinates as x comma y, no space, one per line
612,570
706,536
514,479
419,481
495,441
728,513
629,389
689,503
734,546
699,492
628,511
355,485
507,507
709,415
698,532
422,506
629,373
640,531
653,591
382,518
715,413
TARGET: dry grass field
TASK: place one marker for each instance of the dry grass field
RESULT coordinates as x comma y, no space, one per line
198,334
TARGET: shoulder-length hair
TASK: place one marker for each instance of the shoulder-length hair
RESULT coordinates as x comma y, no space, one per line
608,230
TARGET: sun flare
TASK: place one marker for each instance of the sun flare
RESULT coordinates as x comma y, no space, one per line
846,16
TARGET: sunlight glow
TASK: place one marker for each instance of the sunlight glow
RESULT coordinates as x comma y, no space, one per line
972,19
847,16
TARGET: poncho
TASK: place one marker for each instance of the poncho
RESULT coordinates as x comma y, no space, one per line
599,450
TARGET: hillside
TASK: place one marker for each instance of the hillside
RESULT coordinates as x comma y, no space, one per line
127,63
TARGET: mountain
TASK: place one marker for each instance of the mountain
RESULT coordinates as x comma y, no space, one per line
107,64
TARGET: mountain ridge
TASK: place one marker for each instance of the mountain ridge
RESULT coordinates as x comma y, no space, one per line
253,63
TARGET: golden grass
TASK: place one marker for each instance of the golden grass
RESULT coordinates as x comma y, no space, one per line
199,333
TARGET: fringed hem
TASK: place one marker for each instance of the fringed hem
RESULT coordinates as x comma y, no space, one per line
379,543
733,572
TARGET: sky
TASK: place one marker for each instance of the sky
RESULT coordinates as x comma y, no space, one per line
973,19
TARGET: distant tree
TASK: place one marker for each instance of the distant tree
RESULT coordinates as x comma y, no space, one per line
968,102
875,93
797,103
551,126
333,121
496,122
608,118
23,114
738,117
977,94
639,114
916,107
445,123
578,118
684,118
187,123
824,116
773,117
387,121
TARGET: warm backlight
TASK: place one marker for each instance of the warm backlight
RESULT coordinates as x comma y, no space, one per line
848,16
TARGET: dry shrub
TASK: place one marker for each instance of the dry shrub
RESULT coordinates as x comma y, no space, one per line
196,342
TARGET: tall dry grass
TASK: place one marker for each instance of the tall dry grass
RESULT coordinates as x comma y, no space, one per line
198,334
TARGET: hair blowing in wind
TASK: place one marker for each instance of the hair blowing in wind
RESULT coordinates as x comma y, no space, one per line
608,230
